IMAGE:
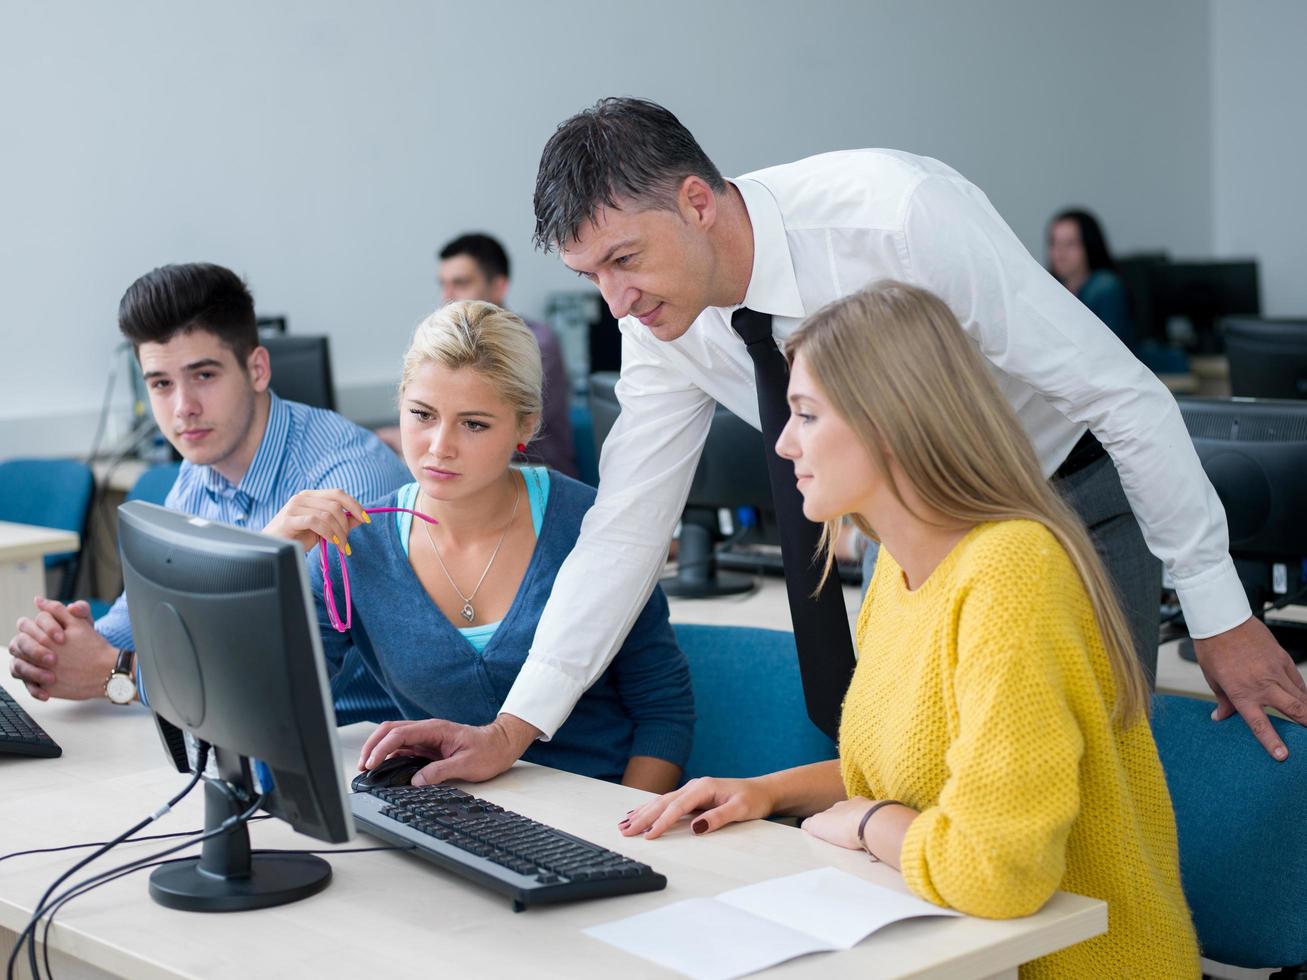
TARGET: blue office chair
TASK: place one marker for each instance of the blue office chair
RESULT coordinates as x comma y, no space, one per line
1239,815
153,485
49,493
749,701
583,440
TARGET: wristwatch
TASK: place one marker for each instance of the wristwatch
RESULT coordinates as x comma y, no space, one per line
120,688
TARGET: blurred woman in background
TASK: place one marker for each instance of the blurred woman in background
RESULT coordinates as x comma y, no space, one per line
1079,258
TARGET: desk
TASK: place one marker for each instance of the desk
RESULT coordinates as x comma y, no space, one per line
767,607
112,773
23,548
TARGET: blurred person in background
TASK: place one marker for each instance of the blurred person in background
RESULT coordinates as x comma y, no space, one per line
1078,257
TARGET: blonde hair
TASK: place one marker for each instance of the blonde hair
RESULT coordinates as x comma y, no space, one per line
897,366
491,341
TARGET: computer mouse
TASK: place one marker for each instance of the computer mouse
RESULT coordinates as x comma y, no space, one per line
395,771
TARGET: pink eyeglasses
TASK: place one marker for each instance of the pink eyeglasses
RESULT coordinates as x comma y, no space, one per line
328,595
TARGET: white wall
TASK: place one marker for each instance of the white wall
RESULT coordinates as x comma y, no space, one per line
324,148
1259,136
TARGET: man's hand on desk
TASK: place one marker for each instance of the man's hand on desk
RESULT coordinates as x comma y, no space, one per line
1249,672
58,653
471,752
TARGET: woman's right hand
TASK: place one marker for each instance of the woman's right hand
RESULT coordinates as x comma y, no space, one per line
313,515
716,801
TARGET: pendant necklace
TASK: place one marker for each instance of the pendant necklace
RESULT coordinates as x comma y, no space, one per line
468,612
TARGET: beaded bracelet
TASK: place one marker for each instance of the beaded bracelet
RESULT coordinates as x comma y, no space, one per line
862,825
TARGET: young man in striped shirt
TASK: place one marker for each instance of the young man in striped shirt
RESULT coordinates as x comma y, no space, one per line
250,459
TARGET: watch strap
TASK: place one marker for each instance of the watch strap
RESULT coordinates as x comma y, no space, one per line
124,664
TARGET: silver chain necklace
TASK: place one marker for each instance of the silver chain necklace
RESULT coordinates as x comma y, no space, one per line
467,612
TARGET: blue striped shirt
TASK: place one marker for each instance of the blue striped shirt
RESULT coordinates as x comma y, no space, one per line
303,448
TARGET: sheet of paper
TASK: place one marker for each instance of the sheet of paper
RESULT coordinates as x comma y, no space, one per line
706,939
834,906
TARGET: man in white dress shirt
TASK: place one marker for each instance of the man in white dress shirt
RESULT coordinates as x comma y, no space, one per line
632,204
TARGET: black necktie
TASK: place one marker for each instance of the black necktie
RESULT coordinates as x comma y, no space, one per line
821,625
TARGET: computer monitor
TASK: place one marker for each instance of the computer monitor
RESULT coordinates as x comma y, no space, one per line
732,473
1136,273
1202,293
301,369
229,652
1268,358
1255,453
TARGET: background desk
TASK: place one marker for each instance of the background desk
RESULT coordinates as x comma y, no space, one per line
23,548
766,607
394,915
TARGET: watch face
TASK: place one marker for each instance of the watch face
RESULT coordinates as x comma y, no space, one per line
121,689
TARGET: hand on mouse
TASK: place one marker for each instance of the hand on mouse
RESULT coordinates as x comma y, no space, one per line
471,752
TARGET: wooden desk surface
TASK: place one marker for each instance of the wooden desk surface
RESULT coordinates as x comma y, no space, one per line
24,542
395,915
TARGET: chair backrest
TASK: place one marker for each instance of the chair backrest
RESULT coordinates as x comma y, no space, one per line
583,441
153,485
1239,815
749,701
48,493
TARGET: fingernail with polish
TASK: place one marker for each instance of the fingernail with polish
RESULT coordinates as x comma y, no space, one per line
348,552
335,540
699,826
367,518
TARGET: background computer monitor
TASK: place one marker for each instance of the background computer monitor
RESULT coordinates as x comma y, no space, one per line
1136,272
1255,454
1202,293
301,369
1268,358
229,652
732,473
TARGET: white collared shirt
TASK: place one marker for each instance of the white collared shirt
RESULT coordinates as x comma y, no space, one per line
825,227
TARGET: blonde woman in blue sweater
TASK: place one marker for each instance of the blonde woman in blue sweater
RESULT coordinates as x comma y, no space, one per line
444,614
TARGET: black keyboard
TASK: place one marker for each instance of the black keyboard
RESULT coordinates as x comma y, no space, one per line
19,735
531,863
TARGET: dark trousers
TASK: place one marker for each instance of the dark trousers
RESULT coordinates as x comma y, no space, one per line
1095,494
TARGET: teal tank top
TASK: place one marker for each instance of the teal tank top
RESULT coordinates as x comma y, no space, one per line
536,479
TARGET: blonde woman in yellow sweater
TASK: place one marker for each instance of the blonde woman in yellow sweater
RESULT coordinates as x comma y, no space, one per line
994,745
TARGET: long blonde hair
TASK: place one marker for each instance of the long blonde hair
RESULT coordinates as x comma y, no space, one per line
489,339
897,366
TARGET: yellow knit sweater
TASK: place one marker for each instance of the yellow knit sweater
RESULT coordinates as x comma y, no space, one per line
983,699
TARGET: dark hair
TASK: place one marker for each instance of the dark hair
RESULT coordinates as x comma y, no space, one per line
177,299
620,147
485,251
1092,238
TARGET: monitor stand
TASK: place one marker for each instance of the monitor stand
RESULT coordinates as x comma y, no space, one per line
696,563
226,877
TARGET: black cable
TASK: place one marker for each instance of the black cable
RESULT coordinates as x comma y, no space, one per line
338,850
225,827
83,889
30,928
129,840
1288,600
104,404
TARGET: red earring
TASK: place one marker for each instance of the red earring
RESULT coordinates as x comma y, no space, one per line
521,447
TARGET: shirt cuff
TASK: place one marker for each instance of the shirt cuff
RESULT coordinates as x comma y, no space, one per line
542,696
1213,600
